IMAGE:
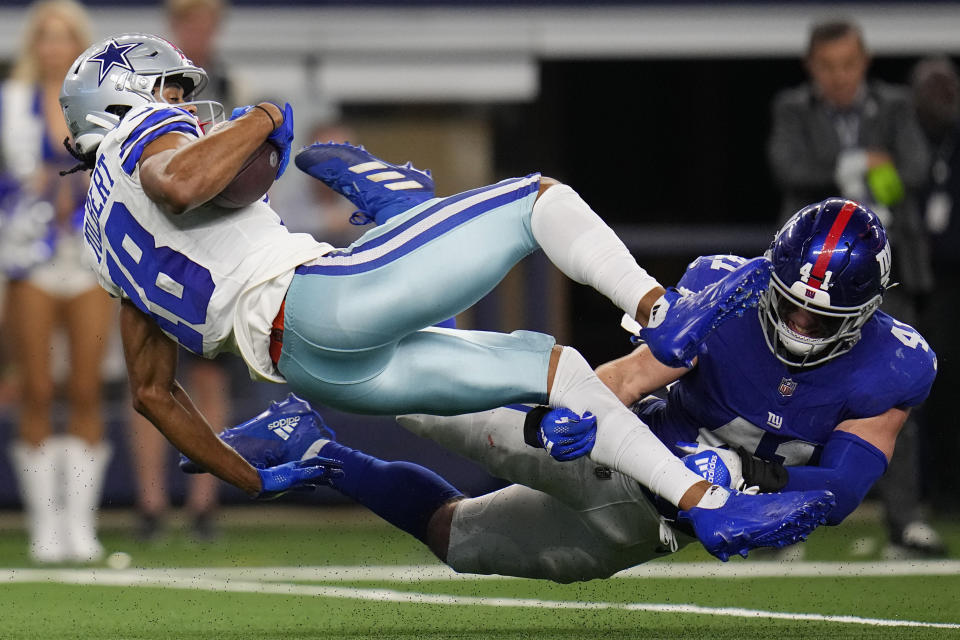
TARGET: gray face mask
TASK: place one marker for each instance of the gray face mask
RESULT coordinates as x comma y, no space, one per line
121,73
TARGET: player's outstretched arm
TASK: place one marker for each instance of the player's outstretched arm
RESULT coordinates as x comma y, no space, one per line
854,456
151,365
179,174
636,375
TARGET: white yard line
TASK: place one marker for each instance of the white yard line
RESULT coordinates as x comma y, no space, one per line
276,580
228,580
438,572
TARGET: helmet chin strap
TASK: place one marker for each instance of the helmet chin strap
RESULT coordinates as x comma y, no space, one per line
105,120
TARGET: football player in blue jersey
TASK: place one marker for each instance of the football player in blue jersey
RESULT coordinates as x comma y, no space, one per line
809,392
348,327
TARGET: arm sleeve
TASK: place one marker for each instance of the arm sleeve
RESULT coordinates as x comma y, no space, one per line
848,467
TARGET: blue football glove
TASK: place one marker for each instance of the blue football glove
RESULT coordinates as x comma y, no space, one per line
300,475
239,111
566,435
282,136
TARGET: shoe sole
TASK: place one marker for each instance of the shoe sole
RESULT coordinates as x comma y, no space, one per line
792,528
743,297
709,314
309,157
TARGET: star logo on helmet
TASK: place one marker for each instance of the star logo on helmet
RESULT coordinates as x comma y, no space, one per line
113,55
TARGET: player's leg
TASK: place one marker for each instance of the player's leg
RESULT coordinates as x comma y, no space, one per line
441,371
459,372
518,531
451,372
494,439
583,521
570,233
442,256
404,494
612,526
587,251
573,237
420,268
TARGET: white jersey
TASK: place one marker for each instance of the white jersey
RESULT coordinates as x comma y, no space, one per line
212,278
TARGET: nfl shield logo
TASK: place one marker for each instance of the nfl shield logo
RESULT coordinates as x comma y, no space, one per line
787,387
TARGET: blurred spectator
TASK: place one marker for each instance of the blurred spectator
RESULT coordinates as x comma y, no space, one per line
51,287
194,26
936,92
842,134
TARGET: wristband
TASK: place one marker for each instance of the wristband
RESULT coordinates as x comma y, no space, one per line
272,121
531,426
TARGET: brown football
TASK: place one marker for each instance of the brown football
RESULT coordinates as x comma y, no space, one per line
253,179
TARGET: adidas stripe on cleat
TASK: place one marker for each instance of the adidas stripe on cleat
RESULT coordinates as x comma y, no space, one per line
379,189
288,431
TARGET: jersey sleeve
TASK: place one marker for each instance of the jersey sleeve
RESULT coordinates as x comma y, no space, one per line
907,376
706,270
916,365
147,125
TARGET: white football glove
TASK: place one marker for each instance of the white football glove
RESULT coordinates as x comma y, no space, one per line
715,465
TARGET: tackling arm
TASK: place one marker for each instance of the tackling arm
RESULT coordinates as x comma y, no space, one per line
179,174
854,457
151,364
636,375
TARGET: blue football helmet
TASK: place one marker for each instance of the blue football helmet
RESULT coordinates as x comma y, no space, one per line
121,73
832,260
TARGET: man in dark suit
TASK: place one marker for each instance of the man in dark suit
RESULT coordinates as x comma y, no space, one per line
842,134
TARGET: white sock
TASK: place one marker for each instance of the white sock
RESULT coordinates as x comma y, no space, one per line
624,442
314,449
715,497
584,248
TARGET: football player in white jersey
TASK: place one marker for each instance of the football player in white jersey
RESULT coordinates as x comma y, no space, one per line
348,328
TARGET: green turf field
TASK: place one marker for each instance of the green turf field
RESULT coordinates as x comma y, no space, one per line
342,574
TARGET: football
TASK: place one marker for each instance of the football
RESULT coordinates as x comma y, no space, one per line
252,181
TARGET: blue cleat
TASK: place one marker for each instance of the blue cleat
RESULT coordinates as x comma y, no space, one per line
288,431
680,323
746,522
379,190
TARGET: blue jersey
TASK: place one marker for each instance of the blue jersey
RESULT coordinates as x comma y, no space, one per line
739,394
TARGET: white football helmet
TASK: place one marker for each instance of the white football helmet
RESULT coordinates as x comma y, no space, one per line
123,72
